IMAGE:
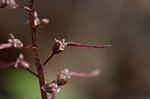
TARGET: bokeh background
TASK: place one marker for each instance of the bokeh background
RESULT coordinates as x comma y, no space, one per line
125,66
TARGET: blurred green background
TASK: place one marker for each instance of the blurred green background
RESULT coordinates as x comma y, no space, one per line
125,66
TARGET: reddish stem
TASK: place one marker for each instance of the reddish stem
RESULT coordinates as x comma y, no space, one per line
35,50
85,75
23,7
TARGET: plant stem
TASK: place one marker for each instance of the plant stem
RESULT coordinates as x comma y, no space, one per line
30,71
35,50
48,59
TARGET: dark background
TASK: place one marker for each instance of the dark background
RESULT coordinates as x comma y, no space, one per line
125,66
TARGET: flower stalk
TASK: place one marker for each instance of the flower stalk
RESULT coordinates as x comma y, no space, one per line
36,50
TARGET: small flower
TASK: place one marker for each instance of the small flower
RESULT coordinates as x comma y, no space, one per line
15,42
36,21
59,46
21,63
12,42
51,87
11,4
2,3
63,77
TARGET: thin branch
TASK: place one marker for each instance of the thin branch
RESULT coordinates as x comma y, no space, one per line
48,59
35,50
23,7
30,71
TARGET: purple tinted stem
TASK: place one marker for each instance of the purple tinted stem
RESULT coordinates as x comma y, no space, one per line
86,46
23,7
85,75
5,45
5,65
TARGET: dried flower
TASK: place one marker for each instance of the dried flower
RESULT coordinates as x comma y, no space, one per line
63,77
36,21
11,4
21,63
51,87
44,22
12,42
59,46
15,42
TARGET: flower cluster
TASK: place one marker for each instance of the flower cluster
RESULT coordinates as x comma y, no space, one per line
63,77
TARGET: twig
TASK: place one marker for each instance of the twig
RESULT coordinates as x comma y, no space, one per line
30,71
48,59
23,7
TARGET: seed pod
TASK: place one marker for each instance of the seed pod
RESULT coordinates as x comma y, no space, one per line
58,46
63,77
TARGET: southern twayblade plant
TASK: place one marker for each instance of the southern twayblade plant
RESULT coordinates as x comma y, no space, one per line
20,63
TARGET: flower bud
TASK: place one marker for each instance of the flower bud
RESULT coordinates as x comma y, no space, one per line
44,22
59,46
15,42
51,87
63,77
36,21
